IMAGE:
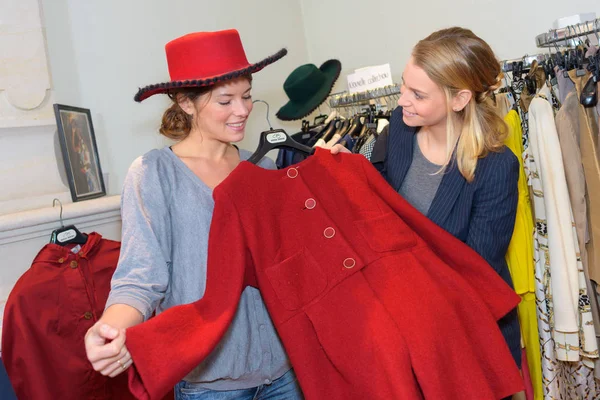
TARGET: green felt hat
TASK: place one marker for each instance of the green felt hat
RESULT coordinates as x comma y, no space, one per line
307,87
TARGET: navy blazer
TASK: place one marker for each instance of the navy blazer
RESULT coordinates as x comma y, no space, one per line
481,213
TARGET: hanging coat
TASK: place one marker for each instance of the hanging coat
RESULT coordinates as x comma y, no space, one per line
370,298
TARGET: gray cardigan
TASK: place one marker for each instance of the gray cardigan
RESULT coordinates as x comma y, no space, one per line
166,211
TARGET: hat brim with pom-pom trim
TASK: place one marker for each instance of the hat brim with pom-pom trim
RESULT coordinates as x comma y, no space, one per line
165,87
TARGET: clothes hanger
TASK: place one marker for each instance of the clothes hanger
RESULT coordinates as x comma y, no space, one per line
305,126
331,127
509,90
368,130
577,55
589,94
530,78
369,127
566,62
569,55
388,103
66,234
550,72
319,119
275,139
357,126
597,29
517,68
559,59
332,115
340,130
584,43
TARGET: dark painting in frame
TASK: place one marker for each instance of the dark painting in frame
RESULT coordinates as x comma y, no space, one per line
80,152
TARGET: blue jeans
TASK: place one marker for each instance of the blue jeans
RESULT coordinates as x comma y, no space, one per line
285,387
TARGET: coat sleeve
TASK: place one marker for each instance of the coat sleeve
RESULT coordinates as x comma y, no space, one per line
167,347
492,220
452,251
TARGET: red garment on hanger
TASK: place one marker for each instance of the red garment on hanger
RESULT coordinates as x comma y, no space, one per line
47,314
370,298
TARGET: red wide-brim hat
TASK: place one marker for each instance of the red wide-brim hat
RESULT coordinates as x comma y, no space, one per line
204,59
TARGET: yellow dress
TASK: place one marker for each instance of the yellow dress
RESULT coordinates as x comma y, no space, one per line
520,261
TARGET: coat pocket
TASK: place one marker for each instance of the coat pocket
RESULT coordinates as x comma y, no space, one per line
297,280
386,233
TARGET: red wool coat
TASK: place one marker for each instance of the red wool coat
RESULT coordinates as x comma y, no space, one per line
370,298
46,317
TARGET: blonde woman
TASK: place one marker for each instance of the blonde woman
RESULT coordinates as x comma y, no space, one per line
445,151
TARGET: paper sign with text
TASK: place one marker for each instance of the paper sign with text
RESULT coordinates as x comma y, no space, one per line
369,78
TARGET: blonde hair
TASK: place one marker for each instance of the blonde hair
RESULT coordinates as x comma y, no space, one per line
456,59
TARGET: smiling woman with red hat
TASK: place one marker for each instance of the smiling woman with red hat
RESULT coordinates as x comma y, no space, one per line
166,211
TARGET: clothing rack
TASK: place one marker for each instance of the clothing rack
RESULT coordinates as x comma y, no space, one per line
507,65
349,99
554,37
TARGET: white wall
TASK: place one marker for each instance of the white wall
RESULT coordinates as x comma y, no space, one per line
101,51
361,33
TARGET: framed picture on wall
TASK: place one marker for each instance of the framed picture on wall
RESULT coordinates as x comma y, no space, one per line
80,153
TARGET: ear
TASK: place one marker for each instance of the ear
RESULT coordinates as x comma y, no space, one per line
460,101
186,104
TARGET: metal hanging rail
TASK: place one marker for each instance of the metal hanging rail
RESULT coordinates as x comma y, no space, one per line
562,36
507,65
348,99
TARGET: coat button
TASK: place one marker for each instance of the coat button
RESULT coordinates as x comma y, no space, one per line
87,315
310,203
329,232
74,264
292,173
61,260
349,263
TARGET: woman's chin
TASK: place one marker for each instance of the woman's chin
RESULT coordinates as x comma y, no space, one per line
410,121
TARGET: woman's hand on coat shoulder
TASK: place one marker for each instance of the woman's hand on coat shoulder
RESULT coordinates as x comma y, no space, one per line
335,148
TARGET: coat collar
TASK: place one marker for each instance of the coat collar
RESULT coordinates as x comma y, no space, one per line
400,155
57,253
